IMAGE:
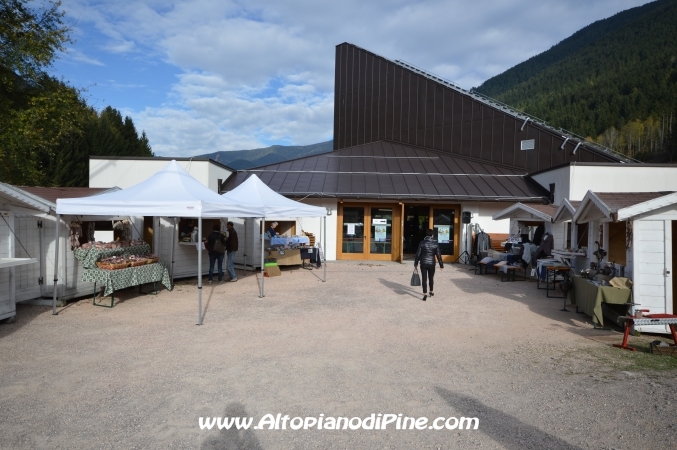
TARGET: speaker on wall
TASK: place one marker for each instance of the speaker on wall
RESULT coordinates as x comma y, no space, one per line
466,216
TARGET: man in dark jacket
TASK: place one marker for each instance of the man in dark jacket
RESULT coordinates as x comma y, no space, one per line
214,255
427,251
231,247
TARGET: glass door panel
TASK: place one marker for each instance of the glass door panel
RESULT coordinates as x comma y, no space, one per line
416,223
381,237
443,227
353,230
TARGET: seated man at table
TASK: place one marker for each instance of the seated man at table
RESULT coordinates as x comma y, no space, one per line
187,229
271,230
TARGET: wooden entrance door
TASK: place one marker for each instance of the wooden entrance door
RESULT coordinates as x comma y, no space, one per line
369,231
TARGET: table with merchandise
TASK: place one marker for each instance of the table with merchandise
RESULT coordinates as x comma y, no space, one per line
119,265
588,296
114,280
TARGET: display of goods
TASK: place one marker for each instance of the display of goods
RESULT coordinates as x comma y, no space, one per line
138,262
112,266
86,246
152,258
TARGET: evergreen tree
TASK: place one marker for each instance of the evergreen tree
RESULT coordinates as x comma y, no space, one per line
47,130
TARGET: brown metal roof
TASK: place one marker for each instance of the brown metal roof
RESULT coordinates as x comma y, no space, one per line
389,170
52,193
545,209
618,200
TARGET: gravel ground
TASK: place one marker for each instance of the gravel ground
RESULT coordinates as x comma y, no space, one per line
141,374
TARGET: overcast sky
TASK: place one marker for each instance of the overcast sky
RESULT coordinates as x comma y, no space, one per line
210,75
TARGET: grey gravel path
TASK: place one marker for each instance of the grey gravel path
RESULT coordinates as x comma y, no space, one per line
141,374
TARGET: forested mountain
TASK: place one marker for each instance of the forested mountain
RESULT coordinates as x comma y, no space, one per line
614,81
246,159
47,130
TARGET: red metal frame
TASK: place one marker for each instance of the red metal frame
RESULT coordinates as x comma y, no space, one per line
630,321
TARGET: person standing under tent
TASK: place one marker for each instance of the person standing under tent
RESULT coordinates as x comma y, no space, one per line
231,248
216,253
427,251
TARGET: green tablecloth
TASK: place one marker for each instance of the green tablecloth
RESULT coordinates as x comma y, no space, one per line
131,276
589,297
89,257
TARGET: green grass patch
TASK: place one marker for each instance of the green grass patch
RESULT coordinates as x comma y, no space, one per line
618,359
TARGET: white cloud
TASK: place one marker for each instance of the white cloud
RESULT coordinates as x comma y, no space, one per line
257,72
77,56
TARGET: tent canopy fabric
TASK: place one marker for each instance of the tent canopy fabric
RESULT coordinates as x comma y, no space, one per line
171,192
273,204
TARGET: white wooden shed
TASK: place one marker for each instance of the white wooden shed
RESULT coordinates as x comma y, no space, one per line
523,215
27,233
642,228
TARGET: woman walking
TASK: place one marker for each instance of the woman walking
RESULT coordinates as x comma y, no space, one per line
427,251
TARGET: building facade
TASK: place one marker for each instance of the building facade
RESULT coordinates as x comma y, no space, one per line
412,152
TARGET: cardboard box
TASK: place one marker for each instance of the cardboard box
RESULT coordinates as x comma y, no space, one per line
272,271
288,257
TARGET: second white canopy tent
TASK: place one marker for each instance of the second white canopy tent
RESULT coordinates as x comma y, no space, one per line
258,195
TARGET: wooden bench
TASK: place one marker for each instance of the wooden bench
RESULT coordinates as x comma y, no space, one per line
484,265
511,271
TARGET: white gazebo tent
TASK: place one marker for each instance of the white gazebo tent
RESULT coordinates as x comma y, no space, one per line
170,192
273,204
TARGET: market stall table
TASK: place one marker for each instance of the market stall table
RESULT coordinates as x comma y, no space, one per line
565,257
564,270
123,278
649,319
589,298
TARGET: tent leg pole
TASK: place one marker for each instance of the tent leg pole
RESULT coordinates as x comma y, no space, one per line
245,245
56,264
324,244
199,270
171,272
263,225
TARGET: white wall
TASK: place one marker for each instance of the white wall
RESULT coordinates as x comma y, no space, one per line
620,178
123,173
561,178
27,245
574,181
484,211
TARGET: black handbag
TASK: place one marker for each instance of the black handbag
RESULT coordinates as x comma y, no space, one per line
415,278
